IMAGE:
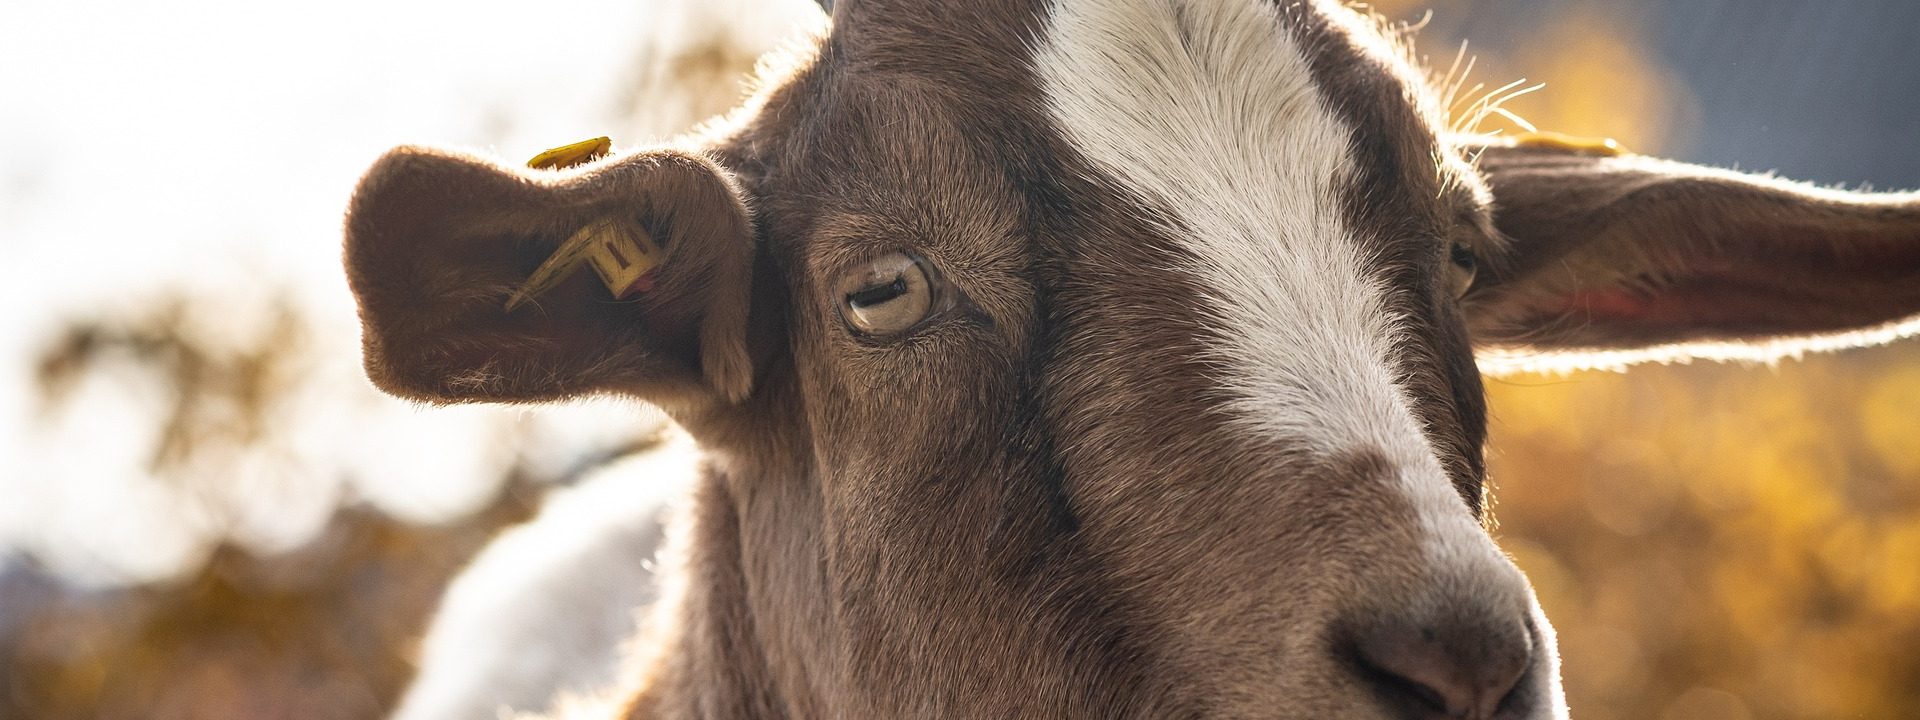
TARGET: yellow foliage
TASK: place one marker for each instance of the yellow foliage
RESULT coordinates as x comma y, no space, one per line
1890,417
1722,541
1600,83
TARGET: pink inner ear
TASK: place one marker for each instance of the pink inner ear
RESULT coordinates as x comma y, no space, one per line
1720,300
1633,316
1612,303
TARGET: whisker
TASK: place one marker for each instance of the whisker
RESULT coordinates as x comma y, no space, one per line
1516,119
1449,85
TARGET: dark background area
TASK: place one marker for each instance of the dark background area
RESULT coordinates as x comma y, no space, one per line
1827,92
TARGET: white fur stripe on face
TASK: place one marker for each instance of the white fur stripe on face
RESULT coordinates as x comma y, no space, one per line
1207,112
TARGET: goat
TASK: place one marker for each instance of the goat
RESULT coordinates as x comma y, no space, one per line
1095,358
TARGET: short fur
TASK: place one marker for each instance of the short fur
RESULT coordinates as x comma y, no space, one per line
1077,492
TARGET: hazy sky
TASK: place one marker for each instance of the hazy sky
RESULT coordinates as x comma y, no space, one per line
213,145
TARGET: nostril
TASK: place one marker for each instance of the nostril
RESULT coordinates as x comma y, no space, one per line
1462,670
1400,683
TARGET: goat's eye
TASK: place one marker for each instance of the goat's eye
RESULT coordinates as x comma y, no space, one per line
888,296
1465,266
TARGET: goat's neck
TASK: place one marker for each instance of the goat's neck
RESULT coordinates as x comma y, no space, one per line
737,633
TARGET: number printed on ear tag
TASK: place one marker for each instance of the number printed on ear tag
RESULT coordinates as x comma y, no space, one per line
621,254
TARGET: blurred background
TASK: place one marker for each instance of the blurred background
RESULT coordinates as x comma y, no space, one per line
206,512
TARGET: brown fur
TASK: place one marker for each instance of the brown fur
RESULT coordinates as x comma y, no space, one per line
1032,506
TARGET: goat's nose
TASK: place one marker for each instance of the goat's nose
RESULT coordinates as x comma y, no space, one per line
1460,668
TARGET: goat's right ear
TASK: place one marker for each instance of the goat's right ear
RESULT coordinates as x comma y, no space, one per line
437,242
1614,258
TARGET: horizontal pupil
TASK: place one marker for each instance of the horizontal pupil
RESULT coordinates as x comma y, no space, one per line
878,294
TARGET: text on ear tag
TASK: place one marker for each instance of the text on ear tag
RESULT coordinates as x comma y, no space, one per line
624,256
567,156
1604,147
620,251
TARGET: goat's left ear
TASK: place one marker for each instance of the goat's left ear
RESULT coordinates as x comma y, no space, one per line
438,242
1609,252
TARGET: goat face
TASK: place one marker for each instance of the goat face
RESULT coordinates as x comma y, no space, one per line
1099,357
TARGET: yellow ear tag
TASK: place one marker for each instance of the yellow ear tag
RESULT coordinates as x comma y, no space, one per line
620,251
1604,147
567,156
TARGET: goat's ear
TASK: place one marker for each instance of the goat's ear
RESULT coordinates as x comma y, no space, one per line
1620,257
437,242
